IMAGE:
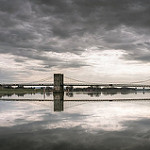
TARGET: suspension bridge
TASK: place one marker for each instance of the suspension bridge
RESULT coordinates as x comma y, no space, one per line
60,80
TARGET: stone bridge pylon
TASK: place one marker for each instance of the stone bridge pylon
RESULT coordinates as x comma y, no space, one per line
58,83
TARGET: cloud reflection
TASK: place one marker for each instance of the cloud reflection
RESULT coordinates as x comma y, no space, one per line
91,116
77,138
90,125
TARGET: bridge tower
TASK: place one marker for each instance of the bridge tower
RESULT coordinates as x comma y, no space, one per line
58,83
58,92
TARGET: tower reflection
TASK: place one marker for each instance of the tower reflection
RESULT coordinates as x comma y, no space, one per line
58,101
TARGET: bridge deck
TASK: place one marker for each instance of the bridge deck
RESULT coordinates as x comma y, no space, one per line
82,100
79,84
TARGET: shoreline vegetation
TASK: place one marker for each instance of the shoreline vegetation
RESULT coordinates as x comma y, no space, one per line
67,89
92,91
24,90
20,90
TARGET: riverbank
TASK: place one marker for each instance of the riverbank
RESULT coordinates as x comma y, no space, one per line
24,90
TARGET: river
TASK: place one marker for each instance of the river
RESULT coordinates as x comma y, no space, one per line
75,125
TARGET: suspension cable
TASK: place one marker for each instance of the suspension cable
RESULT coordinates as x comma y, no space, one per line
44,79
77,80
141,81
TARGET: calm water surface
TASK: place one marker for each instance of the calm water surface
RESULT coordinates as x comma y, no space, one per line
75,125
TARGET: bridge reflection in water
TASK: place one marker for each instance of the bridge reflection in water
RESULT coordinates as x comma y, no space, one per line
60,101
60,106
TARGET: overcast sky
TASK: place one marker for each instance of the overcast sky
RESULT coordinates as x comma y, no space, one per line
92,40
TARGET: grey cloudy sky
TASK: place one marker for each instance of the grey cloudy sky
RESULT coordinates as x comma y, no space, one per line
100,40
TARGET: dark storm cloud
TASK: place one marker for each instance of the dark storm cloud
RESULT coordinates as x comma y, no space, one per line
29,28
142,57
20,60
73,64
67,64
